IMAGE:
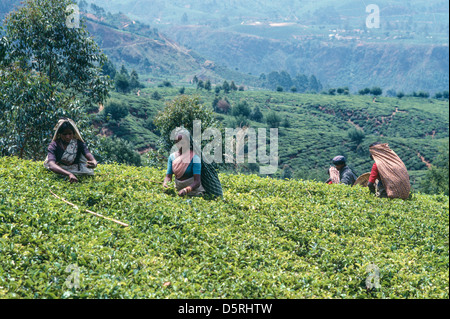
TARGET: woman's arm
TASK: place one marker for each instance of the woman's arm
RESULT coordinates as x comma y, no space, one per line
91,163
57,169
194,185
167,179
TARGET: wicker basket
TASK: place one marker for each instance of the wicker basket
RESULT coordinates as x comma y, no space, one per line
362,180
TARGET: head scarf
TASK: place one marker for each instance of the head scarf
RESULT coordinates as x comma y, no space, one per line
58,125
338,160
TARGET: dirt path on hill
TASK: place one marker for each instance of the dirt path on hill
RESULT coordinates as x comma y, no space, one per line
428,164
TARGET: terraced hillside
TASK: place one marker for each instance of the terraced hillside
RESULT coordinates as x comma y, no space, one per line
319,126
265,239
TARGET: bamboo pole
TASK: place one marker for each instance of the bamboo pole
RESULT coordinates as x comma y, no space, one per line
90,212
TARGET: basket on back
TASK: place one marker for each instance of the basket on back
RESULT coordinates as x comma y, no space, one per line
362,180
392,170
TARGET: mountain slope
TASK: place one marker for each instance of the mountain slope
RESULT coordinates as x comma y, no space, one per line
396,66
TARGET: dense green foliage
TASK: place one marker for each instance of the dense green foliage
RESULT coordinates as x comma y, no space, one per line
182,112
265,239
437,177
29,109
41,40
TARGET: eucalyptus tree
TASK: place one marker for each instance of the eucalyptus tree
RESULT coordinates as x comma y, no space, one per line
49,69
43,39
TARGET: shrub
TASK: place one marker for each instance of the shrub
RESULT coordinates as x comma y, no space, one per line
182,112
116,108
273,120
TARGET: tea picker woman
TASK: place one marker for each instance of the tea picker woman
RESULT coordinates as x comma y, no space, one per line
193,177
68,154
186,166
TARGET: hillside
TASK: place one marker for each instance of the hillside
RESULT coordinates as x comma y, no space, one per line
144,48
151,53
408,51
395,65
319,124
265,239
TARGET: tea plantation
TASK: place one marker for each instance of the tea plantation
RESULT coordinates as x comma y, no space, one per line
266,238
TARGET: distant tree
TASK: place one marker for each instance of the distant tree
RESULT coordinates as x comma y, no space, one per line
332,91
356,135
285,80
116,109
208,85
273,79
240,121
214,103
217,89
134,80
181,90
273,120
117,150
223,106
83,5
122,83
287,172
256,114
124,71
241,88
438,95
109,69
262,77
226,86
301,83
364,91
400,95
286,122
242,108
233,86
376,91
194,79
445,95
182,112
279,88
436,180
200,84
184,18
167,84
156,96
314,84
293,89
423,94
340,90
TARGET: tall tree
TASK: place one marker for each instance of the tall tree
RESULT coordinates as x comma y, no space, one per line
43,41
48,69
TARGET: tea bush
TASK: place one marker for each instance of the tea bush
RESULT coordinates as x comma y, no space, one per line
266,238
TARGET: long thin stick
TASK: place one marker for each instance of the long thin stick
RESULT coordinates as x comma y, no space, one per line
157,182
90,212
